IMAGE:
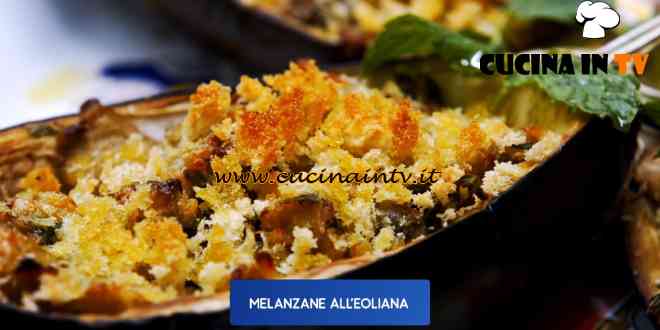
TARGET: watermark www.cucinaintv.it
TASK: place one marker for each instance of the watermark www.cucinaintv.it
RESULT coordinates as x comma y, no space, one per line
324,176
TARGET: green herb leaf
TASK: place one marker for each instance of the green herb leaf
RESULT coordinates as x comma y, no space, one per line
605,95
409,41
409,37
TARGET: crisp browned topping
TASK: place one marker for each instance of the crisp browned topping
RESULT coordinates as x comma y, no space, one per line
406,129
476,151
41,179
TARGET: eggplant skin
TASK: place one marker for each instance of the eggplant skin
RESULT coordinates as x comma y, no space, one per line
515,212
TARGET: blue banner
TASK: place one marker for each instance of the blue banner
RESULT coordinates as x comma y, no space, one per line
330,302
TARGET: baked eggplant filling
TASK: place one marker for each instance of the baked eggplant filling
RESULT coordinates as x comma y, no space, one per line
124,220
355,21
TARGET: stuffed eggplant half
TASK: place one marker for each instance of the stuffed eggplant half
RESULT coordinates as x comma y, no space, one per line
337,31
150,208
355,20
641,215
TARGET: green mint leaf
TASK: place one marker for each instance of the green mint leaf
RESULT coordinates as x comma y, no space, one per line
605,95
409,37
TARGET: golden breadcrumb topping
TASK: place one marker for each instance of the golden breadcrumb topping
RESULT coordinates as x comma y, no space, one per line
127,221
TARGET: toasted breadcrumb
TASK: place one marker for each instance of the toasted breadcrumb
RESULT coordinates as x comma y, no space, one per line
501,178
548,145
302,257
41,179
424,200
209,105
384,240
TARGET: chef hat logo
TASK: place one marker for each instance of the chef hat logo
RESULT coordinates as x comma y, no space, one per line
596,17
